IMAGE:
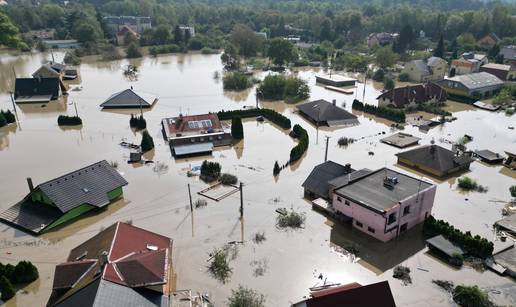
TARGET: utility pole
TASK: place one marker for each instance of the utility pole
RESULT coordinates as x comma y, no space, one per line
14,105
363,95
241,201
190,195
14,72
326,151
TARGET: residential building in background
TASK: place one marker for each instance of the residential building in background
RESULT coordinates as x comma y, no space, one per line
121,266
468,63
385,203
189,29
411,96
137,23
431,69
509,54
489,40
504,72
476,85
382,39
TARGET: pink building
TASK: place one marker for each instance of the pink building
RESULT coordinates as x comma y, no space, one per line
385,203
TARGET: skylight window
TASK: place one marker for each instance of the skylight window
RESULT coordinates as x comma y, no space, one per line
85,190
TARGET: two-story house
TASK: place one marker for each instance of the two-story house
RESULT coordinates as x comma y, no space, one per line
385,203
431,69
468,63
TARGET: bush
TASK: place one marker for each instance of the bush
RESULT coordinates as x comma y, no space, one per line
259,237
403,77
207,50
64,120
210,170
379,75
475,246
170,48
137,122
469,184
244,297
470,296
228,179
276,170
25,272
297,152
9,116
456,260
279,87
219,265
147,142
71,58
389,83
133,51
6,288
237,129
290,220
271,115
388,113
344,141
512,189
3,121
195,44
235,81
403,273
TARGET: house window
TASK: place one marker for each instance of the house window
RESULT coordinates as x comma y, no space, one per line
358,224
371,230
406,210
392,218
339,199
346,203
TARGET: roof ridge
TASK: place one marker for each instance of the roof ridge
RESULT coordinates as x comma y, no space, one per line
73,172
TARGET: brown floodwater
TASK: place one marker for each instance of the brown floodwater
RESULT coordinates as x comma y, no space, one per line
157,196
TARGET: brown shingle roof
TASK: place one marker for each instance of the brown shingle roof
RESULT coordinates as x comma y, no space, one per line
378,294
402,96
68,273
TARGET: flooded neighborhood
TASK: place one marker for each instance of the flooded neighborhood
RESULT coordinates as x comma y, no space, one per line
156,197
257,153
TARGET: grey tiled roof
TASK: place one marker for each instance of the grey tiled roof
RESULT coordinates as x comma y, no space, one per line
317,181
323,111
434,157
30,216
88,185
129,99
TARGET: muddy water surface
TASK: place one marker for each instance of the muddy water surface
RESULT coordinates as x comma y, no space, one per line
157,197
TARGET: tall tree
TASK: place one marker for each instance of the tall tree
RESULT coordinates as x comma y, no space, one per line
237,129
246,40
178,35
439,50
281,51
385,57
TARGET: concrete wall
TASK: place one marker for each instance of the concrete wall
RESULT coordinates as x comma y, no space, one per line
376,224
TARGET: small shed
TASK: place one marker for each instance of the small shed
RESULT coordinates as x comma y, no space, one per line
444,246
401,140
489,156
335,80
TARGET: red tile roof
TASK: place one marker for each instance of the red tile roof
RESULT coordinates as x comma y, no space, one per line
402,96
179,125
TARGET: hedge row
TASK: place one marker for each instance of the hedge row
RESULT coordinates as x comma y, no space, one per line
297,152
271,115
462,99
64,120
475,246
388,113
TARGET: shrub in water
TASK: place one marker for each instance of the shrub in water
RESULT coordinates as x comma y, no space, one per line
228,179
64,120
147,142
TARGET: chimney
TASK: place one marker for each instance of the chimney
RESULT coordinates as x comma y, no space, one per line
103,259
334,101
31,186
347,168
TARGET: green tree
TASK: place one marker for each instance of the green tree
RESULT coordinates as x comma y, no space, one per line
246,40
133,50
405,39
276,170
147,141
470,296
6,288
86,33
512,189
494,51
385,57
235,81
389,83
9,33
25,272
230,58
3,121
245,297
281,51
161,35
178,35
439,50
237,129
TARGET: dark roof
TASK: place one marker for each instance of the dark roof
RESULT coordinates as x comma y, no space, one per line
435,157
444,245
30,216
509,52
420,93
378,294
345,179
129,99
88,185
370,191
135,258
401,140
324,111
317,181
58,67
489,155
28,87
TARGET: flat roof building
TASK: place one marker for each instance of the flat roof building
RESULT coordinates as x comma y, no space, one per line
324,113
401,140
